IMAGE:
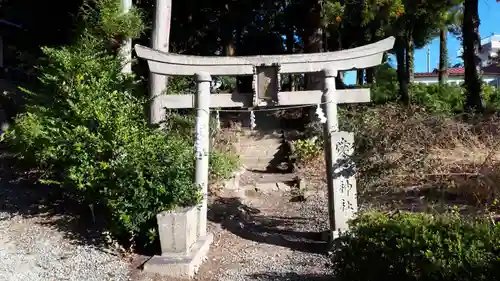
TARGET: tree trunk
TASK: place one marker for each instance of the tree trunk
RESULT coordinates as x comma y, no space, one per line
402,76
228,30
410,61
160,41
370,76
313,41
290,44
443,56
360,73
471,45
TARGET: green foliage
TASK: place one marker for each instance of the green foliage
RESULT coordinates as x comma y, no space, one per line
491,96
307,149
437,98
85,130
222,163
111,21
386,86
408,246
434,98
181,85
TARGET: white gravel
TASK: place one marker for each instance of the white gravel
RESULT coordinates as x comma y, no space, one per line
31,251
34,246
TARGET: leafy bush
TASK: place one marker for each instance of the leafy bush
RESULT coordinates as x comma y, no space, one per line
435,98
491,96
223,161
407,246
386,87
86,131
307,149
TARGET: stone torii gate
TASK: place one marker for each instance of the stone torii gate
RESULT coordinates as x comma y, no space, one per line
266,72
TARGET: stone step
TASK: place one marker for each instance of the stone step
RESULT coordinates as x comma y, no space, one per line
249,177
258,153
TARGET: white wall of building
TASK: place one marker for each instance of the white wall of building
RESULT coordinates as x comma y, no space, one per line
457,80
490,46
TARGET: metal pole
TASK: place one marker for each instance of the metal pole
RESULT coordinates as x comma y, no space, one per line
126,48
160,41
428,60
202,143
331,126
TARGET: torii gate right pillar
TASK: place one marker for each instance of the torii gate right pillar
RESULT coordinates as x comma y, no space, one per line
339,147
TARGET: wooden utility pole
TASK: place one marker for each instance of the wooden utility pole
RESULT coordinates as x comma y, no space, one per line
160,42
126,48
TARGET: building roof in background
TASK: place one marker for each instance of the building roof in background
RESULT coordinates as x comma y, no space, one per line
460,71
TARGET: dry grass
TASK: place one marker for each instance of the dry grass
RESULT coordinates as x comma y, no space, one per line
455,158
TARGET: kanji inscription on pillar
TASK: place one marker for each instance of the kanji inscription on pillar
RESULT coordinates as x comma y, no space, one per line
346,204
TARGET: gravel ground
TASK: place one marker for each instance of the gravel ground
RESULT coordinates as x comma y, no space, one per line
266,236
37,244
30,251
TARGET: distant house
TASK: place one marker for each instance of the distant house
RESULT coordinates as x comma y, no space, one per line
490,75
490,47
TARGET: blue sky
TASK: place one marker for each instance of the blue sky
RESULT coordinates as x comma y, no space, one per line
489,13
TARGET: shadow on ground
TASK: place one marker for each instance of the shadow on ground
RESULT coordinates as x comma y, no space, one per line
290,277
248,223
22,195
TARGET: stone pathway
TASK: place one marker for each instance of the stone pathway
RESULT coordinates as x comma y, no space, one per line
263,235
261,232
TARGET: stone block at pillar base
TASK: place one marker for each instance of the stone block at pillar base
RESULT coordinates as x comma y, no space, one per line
181,265
329,236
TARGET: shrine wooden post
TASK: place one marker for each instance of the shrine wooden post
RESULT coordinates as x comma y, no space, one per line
266,72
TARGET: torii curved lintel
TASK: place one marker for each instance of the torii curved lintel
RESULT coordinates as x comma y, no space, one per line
175,64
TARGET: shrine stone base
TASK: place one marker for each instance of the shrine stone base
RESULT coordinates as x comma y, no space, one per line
184,242
181,265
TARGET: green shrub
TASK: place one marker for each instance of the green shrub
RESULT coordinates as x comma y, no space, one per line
307,149
222,163
85,130
386,88
409,246
491,96
435,98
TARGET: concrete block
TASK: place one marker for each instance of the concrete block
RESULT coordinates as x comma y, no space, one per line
179,265
202,220
178,229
